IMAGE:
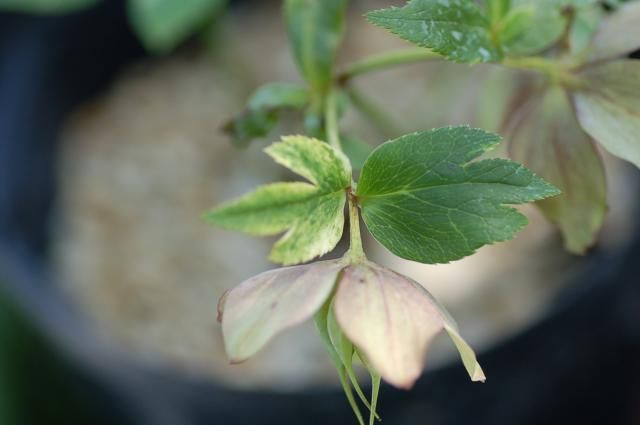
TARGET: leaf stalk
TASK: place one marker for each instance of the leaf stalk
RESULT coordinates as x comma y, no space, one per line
331,120
557,72
384,60
355,253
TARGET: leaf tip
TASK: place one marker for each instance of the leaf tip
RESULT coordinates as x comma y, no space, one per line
478,374
210,216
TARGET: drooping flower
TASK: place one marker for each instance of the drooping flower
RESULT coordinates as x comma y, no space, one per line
389,318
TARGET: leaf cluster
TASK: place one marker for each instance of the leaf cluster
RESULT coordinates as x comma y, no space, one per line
422,196
578,50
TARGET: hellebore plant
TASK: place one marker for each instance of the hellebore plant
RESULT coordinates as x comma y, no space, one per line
425,196
422,196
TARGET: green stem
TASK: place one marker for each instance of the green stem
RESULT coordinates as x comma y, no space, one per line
385,60
375,391
558,72
356,253
534,63
349,393
569,14
331,120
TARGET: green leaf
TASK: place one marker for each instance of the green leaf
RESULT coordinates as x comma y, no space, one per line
163,24
45,6
456,29
313,214
278,95
546,26
608,107
497,9
315,30
424,201
545,137
618,34
263,108
251,125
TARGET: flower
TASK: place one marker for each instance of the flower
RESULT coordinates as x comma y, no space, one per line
389,318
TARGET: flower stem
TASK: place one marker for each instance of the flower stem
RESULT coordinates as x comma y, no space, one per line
385,60
375,391
331,120
356,253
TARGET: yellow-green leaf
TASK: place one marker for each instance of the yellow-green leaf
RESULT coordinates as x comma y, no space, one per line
314,160
312,214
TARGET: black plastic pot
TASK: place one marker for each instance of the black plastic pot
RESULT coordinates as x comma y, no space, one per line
580,364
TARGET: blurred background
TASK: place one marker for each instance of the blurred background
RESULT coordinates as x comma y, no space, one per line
110,149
